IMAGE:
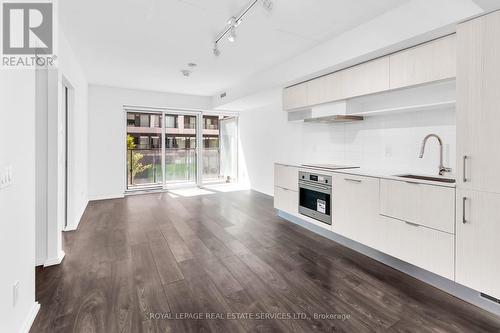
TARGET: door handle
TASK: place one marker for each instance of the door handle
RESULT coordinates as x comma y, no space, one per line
352,180
465,180
464,201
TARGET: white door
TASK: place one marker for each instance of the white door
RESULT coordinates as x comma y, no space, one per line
478,100
477,246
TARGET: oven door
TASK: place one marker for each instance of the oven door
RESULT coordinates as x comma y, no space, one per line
315,202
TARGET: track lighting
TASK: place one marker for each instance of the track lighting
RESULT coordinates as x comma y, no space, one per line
234,21
232,35
216,50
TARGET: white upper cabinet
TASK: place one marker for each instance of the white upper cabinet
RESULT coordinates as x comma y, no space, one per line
478,104
295,97
367,78
425,63
326,89
430,62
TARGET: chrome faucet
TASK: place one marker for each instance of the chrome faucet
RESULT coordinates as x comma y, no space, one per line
442,168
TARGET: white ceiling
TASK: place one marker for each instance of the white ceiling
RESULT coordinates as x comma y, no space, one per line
144,44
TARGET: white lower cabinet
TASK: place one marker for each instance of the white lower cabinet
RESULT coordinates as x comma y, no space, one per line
286,200
478,241
427,248
410,222
428,205
355,207
286,176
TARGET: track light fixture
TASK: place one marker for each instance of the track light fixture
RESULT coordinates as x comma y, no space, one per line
235,21
232,35
216,50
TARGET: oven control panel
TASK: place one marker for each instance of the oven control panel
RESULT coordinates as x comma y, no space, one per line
315,178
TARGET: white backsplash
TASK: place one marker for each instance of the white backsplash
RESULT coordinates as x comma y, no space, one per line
390,142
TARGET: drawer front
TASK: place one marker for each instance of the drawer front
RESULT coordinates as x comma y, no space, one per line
286,200
427,205
399,200
355,207
426,248
286,177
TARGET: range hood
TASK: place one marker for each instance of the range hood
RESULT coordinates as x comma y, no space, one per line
334,119
325,113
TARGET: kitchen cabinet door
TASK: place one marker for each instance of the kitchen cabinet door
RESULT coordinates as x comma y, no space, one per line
367,78
477,241
295,97
430,249
426,205
424,63
286,176
478,101
355,205
325,89
286,200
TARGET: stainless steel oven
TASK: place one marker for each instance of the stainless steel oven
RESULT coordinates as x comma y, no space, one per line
315,196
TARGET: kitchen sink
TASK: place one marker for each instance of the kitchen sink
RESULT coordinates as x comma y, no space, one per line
429,178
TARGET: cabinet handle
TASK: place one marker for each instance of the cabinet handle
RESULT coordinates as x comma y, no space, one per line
352,180
465,180
464,201
412,224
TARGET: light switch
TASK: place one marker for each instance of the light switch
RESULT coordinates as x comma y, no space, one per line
6,177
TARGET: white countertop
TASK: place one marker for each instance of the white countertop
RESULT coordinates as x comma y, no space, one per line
378,173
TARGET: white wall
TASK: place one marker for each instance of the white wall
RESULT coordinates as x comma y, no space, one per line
71,72
50,139
107,132
17,202
390,142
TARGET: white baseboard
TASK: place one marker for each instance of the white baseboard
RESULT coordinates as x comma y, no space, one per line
73,226
28,322
106,197
39,261
55,261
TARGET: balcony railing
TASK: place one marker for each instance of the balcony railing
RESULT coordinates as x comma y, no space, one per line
145,166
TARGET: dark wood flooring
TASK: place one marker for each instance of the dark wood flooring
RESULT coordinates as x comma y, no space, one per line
154,263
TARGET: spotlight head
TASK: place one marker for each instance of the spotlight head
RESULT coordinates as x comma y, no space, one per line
216,50
232,35
232,21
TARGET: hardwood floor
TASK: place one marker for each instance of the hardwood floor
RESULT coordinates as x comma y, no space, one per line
136,261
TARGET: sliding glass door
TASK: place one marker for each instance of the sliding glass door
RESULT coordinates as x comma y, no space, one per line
144,146
174,148
180,148
220,148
